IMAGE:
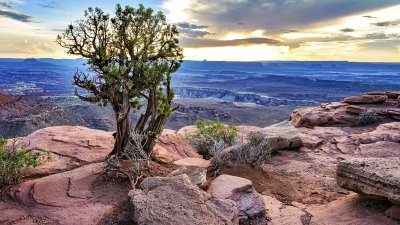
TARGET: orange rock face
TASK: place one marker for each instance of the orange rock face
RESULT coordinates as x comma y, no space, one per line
172,146
366,99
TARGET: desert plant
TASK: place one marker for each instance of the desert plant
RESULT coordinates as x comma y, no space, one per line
254,152
134,156
130,57
210,132
368,118
216,153
16,161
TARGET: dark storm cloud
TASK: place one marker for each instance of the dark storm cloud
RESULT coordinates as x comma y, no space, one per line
191,26
15,15
387,23
196,43
192,30
286,14
347,30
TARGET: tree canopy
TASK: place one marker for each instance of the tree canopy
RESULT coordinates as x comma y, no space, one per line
130,57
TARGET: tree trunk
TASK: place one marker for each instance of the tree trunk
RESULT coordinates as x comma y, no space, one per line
122,136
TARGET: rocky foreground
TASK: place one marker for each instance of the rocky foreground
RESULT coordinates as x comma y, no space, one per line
321,160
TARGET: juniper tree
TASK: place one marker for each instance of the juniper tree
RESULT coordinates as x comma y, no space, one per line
130,58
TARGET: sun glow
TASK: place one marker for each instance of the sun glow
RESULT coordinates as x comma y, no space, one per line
237,53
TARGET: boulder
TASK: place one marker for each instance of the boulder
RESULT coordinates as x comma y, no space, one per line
77,142
384,132
323,115
68,147
280,214
366,99
69,198
281,136
197,175
193,162
172,146
378,177
176,200
249,201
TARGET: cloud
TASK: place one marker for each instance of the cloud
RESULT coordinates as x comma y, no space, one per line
370,17
387,23
50,5
16,16
193,33
191,26
7,11
201,43
192,30
225,16
347,30
8,4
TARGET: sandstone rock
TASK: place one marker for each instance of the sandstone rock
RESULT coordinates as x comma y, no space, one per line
176,200
194,162
323,115
394,114
384,132
281,136
355,109
366,99
250,203
225,186
68,146
389,94
197,175
398,101
350,209
371,176
393,95
393,212
280,214
380,149
10,213
67,198
171,147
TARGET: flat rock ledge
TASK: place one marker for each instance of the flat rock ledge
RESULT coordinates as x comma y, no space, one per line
377,177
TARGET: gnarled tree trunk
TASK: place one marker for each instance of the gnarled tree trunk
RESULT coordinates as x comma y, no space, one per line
122,136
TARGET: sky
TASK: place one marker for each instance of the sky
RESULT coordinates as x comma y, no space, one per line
228,30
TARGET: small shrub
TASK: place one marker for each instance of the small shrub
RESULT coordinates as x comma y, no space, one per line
367,118
216,152
254,152
16,162
209,132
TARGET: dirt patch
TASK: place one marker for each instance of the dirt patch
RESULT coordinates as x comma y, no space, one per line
285,187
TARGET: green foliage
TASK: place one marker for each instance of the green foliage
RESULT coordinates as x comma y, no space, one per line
131,57
209,132
368,118
16,163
